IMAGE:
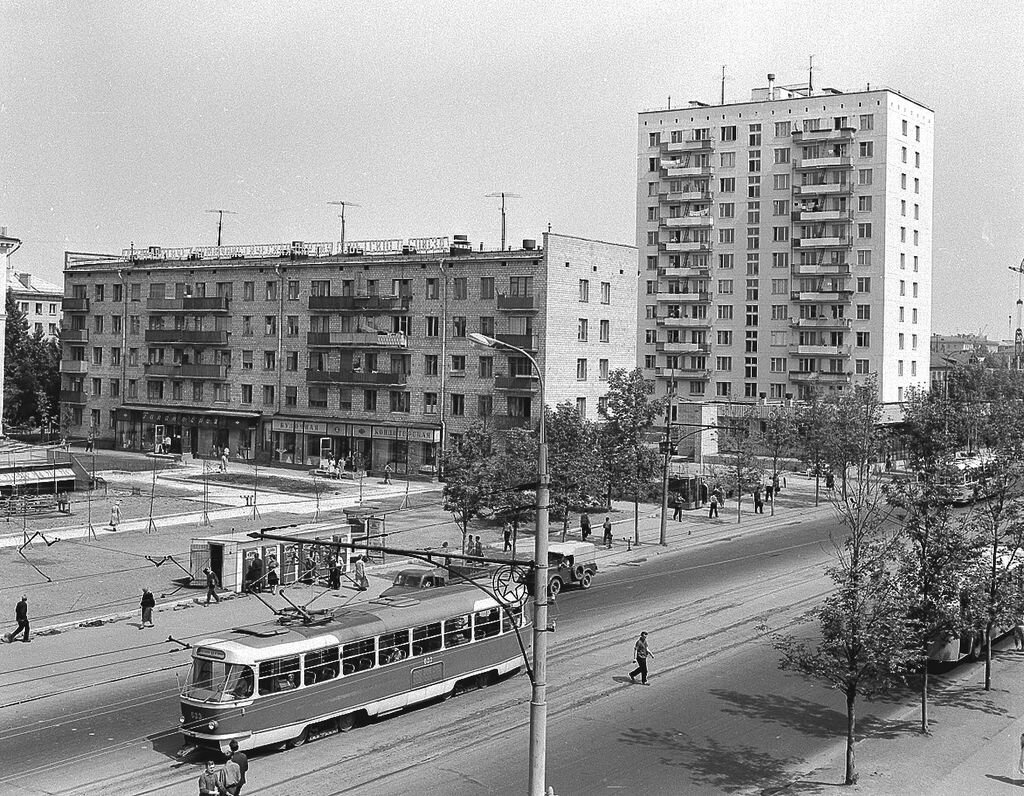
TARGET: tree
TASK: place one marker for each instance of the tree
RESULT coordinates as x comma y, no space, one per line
814,424
630,413
571,460
31,370
467,466
778,438
865,643
744,473
513,471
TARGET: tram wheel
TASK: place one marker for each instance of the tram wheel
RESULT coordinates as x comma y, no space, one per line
299,739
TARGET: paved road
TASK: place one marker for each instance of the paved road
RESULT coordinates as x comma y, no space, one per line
718,716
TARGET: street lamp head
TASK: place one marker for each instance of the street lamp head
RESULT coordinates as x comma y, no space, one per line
482,340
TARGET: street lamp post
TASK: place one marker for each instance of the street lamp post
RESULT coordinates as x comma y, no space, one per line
538,702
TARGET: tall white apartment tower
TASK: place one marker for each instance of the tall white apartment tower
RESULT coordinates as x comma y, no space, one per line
785,244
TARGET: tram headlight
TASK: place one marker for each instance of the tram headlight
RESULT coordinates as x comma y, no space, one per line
212,725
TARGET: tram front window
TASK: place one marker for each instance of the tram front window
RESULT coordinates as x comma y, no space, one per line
216,681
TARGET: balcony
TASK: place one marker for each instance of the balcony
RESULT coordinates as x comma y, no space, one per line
821,350
683,348
822,323
690,145
188,304
360,303
314,376
688,246
806,216
74,366
820,296
825,162
528,342
678,271
74,304
821,269
702,297
671,322
685,196
675,169
695,220
826,188
823,242
187,337
690,374
821,376
816,136
516,383
74,335
356,340
73,397
507,422
516,303
186,371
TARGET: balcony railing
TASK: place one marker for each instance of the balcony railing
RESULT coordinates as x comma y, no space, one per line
823,188
821,350
683,323
669,347
822,323
831,134
74,366
189,304
675,169
351,377
183,371
688,246
685,196
186,336
360,303
690,145
521,383
821,269
74,304
819,375
805,216
506,302
695,220
528,342
833,242
825,162
356,340
74,335
72,397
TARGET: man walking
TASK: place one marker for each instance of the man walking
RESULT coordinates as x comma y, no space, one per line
115,516
21,617
506,534
677,509
239,759
387,473
584,526
758,501
641,653
607,532
713,506
211,585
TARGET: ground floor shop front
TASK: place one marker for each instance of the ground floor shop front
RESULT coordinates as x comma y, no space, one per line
195,432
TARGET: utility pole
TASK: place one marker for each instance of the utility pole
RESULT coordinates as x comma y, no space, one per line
344,204
220,221
663,541
504,195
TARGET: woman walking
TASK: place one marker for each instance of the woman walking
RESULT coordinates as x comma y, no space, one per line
147,604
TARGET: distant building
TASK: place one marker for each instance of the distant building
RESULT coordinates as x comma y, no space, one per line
785,244
39,300
291,352
975,343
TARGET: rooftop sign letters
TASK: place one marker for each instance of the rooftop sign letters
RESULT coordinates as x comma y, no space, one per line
301,248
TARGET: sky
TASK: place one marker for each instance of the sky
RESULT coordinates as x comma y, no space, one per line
123,122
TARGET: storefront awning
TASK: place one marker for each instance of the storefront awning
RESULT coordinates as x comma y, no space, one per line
24,478
178,415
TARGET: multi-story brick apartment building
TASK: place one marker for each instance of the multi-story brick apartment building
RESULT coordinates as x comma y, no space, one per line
38,299
785,244
288,352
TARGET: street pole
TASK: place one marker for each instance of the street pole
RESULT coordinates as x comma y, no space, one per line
538,701
663,540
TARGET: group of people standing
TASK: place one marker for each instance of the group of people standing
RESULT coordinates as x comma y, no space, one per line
228,779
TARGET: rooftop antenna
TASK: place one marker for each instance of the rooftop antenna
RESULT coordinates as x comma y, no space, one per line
810,78
723,84
220,220
504,195
342,217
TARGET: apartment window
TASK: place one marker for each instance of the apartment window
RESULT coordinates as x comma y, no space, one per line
268,394
433,326
652,262
652,287
650,361
780,286
860,367
723,389
271,291
725,286
458,364
433,288
780,312
581,370
916,237
913,315
270,324
650,311
780,207
650,336
903,234
487,325
581,330
753,187
459,326
292,288
459,288
750,367
602,369
782,155
727,160
782,129
584,290
293,326
913,341
863,339
725,312
780,182
97,322
754,160
652,189
863,312
867,149
399,401
917,132
320,287
653,164
864,204
605,331
726,236
903,127
654,139
727,185
269,360
900,342
902,314
726,210
484,405
865,176
903,287
430,403
724,337
867,121
863,284
780,234
864,257
914,289
903,154
864,230
780,259
753,212
754,138
899,367
917,212
913,367
915,262
903,181
725,260
652,238
753,238
155,390
248,291
723,363
728,132
458,404
752,315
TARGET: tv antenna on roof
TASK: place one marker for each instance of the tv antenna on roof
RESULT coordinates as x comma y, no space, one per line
220,220
342,217
504,195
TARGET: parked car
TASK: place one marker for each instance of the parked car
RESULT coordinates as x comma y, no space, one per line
569,563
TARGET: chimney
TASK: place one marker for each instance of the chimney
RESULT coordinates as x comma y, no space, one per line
771,86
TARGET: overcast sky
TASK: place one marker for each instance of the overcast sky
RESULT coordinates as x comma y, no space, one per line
123,122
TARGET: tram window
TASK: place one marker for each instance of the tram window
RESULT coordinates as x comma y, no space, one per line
507,624
426,639
485,623
456,631
394,647
321,665
281,674
357,656
243,685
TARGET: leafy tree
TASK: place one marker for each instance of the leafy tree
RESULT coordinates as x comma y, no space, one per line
466,489
572,456
814,425
31,370
514,466
745,472
630,413
865,643
778,438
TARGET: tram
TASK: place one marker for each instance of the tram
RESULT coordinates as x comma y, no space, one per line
285,682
